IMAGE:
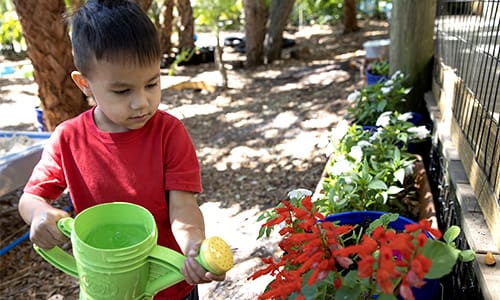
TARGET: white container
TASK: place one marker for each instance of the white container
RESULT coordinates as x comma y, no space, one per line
16,167
377,48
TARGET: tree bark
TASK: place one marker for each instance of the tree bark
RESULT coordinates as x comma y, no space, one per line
76,4
350,20
278,18
220,62
255,31
49,49
186,34
145,4
412,46
166,24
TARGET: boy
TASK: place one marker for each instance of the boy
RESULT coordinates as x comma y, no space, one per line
124,148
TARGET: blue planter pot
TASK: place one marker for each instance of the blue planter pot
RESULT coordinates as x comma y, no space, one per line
373,79
416,118
429,290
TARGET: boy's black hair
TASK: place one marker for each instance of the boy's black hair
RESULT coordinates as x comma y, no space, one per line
113,31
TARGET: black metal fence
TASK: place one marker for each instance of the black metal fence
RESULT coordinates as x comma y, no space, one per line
467,40
461,283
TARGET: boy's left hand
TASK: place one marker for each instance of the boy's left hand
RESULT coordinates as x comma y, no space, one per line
193,272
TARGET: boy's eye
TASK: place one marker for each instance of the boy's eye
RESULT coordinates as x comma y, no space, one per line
120,92
151,85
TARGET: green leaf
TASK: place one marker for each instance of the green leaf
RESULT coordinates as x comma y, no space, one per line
451,234
377,184
386,297
393,190
347,293
443,258
397,154
263,216
400,175
467,255
262,230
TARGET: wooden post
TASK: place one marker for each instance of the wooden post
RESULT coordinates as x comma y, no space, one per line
412,47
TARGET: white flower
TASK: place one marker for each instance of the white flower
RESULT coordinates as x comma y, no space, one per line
388,83
340,167
363,144
356,153
353,96
376,134
405,117
396,74
384,119
385,90
339,131
420,132
299,193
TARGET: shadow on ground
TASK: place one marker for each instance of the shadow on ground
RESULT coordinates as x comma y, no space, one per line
255,141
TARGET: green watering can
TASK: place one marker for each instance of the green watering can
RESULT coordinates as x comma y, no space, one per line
116,256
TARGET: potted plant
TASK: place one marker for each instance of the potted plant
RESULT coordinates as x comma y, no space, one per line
368,103
322,259
372,170
377,72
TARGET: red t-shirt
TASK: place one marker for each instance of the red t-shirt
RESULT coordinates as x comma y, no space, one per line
136,166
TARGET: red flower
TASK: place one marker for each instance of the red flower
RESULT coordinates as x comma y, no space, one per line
365,266
384,281
313,246
424,225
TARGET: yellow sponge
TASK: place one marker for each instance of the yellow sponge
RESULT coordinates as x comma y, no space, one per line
215,255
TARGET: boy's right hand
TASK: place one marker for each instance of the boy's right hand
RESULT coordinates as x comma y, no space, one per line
44,232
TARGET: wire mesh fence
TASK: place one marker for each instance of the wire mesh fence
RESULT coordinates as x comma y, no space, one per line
467,41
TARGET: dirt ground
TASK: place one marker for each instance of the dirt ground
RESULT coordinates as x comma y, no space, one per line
256,141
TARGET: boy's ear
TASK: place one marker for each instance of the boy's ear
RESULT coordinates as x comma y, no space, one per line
81,82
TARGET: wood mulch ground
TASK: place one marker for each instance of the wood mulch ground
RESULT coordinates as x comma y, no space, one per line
256,141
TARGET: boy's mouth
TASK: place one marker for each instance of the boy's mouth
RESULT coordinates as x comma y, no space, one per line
139,117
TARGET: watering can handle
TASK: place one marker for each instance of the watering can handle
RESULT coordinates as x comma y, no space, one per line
58,257
165,269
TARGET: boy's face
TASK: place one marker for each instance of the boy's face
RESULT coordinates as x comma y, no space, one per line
127,96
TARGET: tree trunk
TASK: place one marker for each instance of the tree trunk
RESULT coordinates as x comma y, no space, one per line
255,31
76,4
278,18
145,4
219,61
350,20
186,34
166,24
412,46
49,49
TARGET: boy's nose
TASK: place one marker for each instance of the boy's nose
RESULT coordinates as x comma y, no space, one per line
140,101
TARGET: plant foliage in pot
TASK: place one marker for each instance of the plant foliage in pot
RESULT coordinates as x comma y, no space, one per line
377,72
367,104
372,170
327,260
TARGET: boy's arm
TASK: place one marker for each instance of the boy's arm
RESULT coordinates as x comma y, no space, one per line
186,219
188,228
37,212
